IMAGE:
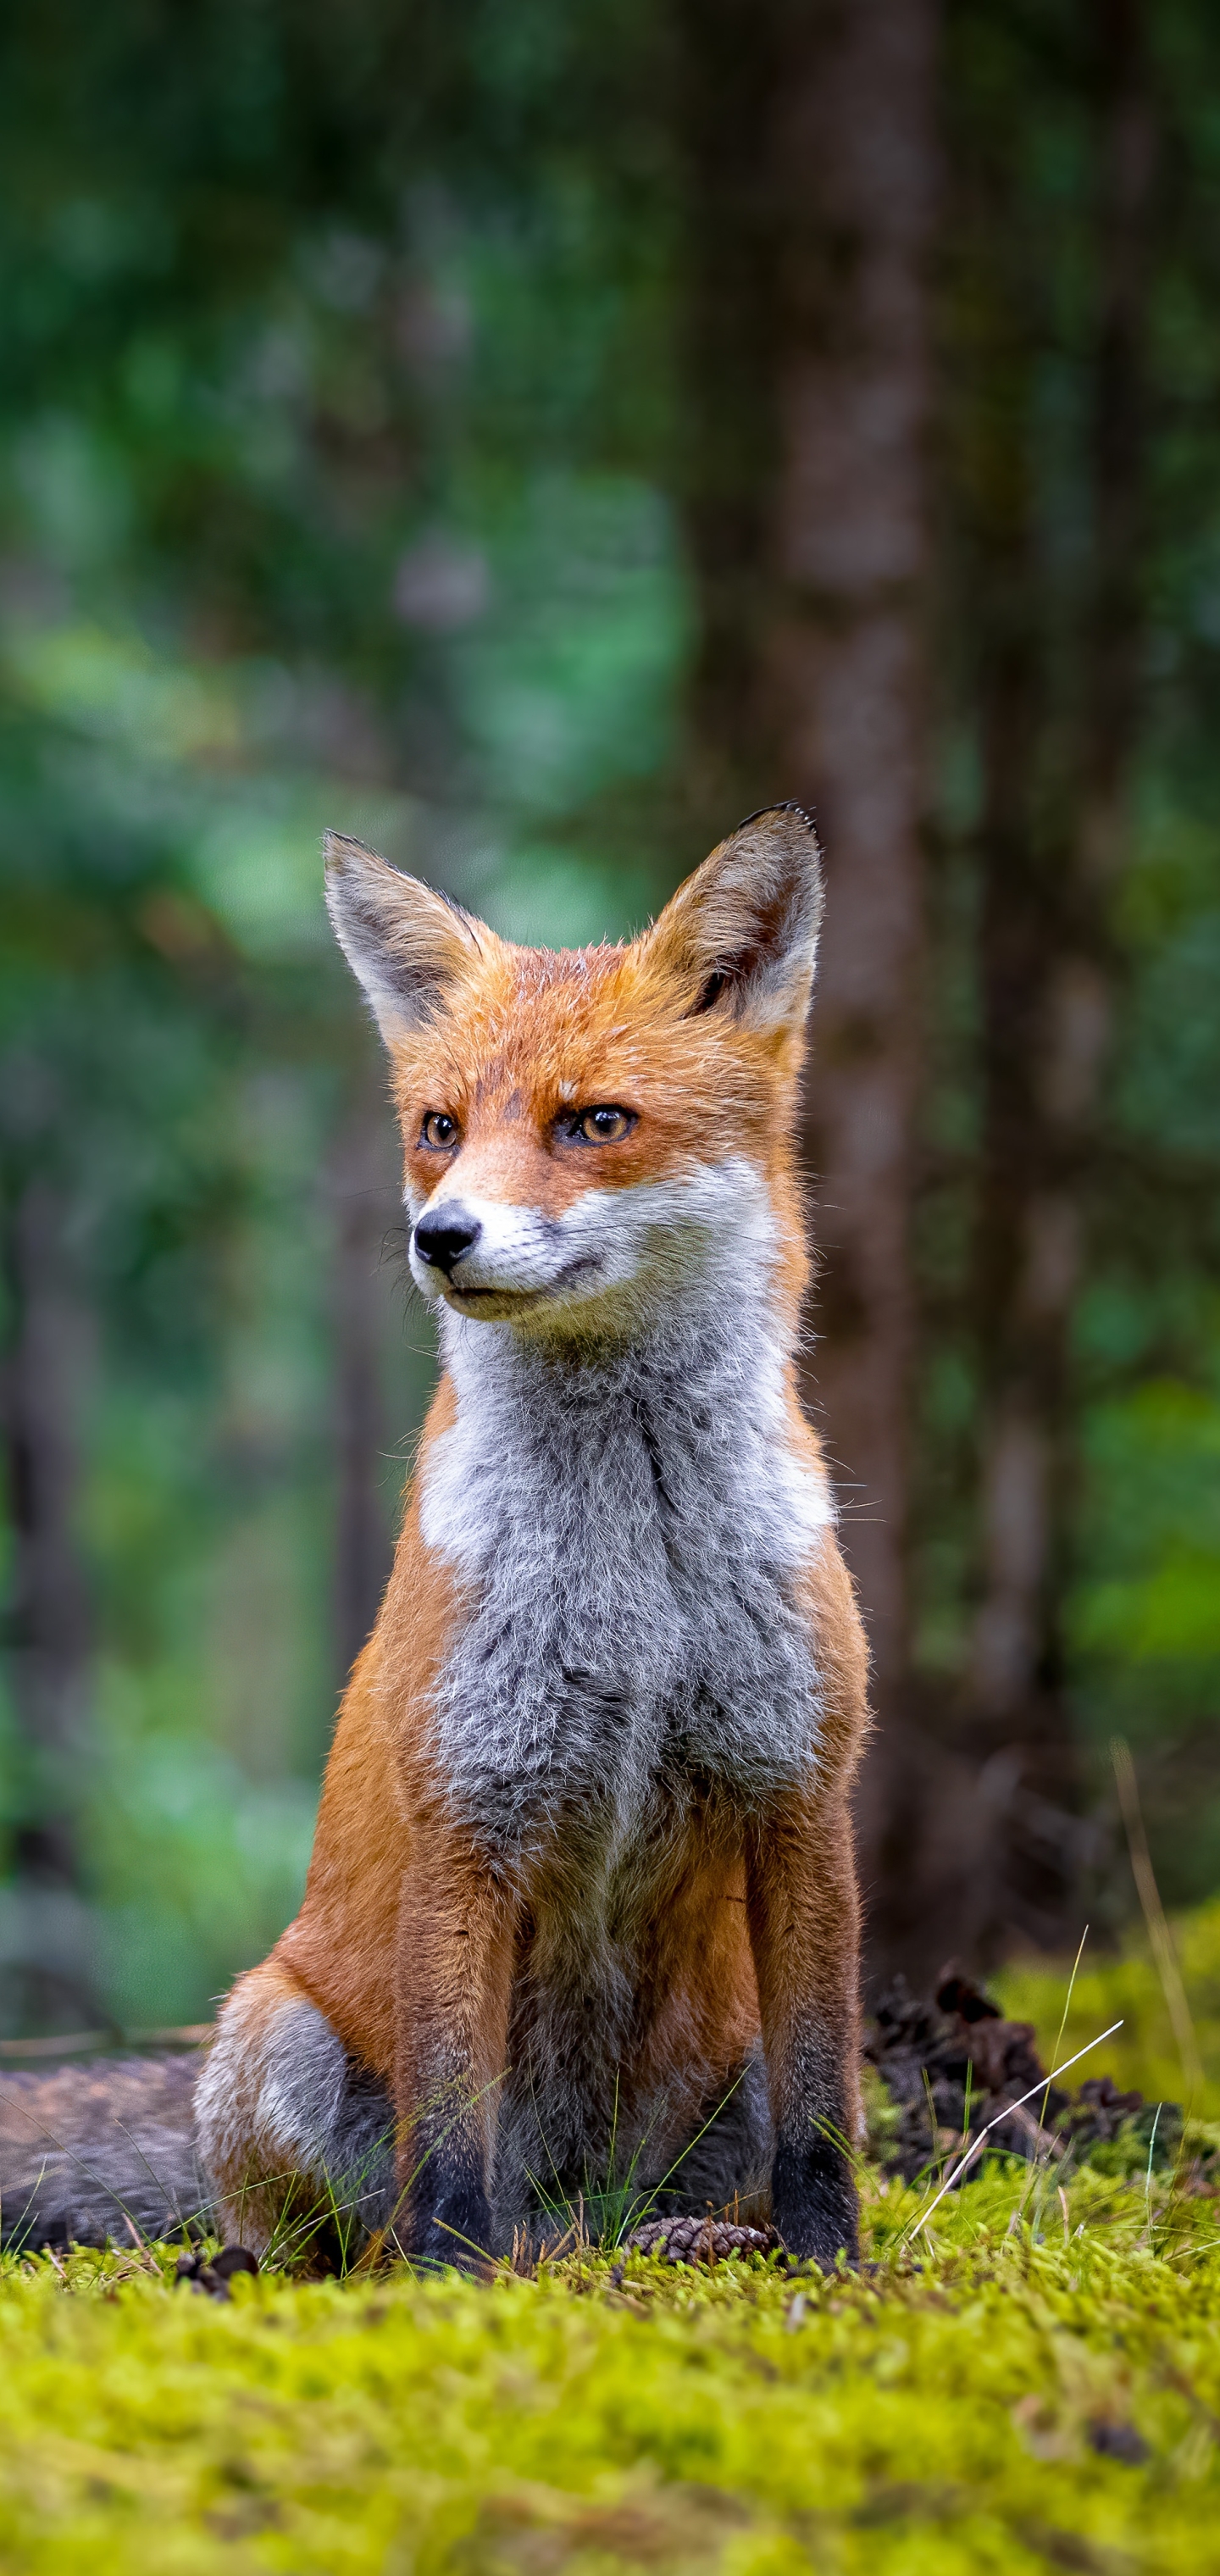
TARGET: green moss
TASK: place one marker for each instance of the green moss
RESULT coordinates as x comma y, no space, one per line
939,2411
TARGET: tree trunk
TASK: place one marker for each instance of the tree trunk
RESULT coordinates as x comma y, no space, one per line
1047,974
812,131
48,1975
367,1205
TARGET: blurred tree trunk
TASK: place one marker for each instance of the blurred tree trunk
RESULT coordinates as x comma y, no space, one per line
812,133
1127,155
367,1204
49,1625
1048,863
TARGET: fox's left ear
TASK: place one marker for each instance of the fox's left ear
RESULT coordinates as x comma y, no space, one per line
742,933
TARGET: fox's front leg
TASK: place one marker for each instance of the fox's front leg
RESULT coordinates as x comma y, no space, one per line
454,1971
804,1931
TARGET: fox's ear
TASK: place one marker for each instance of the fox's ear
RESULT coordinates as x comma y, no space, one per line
403,942
741,935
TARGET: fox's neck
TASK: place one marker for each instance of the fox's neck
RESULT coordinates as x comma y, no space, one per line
703,1390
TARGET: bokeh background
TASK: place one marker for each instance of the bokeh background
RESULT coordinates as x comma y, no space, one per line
529,437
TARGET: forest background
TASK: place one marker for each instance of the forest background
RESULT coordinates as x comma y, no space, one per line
528,438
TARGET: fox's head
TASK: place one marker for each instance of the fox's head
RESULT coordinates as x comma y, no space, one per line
585,1128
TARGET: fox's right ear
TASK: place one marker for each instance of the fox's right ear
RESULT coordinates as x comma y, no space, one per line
404,943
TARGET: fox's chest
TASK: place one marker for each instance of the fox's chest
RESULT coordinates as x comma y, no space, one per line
632,1553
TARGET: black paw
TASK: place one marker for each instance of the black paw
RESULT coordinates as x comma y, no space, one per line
816,2210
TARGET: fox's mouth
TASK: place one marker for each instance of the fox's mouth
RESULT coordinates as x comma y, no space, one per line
493,1296
505,1300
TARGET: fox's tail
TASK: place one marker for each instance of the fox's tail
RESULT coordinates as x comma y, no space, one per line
99,2149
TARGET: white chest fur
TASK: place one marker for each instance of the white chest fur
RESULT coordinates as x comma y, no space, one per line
631,1529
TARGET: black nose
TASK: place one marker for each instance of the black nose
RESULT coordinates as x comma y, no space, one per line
443,1238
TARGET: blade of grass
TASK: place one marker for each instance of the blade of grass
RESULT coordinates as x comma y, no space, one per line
1033,2187
1159,1934
936,2154
643,2208
1063,2022
1151,2152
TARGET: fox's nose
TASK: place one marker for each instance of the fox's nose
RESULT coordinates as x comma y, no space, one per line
443,1238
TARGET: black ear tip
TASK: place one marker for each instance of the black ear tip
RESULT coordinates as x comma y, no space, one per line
783,805
338,849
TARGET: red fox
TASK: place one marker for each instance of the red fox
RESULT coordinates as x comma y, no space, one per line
581,1915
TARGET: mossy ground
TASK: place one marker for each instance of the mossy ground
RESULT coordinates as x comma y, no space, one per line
939,2412
1031,2381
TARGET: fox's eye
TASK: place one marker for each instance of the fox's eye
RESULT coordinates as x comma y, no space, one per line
602,1126
439,1130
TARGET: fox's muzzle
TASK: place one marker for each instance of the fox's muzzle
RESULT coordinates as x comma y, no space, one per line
501,1259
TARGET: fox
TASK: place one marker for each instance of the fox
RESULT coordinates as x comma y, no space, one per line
582,1908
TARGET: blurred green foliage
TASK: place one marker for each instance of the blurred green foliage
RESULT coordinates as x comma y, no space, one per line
332,396
1068,2012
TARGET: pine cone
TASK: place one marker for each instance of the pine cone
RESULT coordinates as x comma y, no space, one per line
699,2240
